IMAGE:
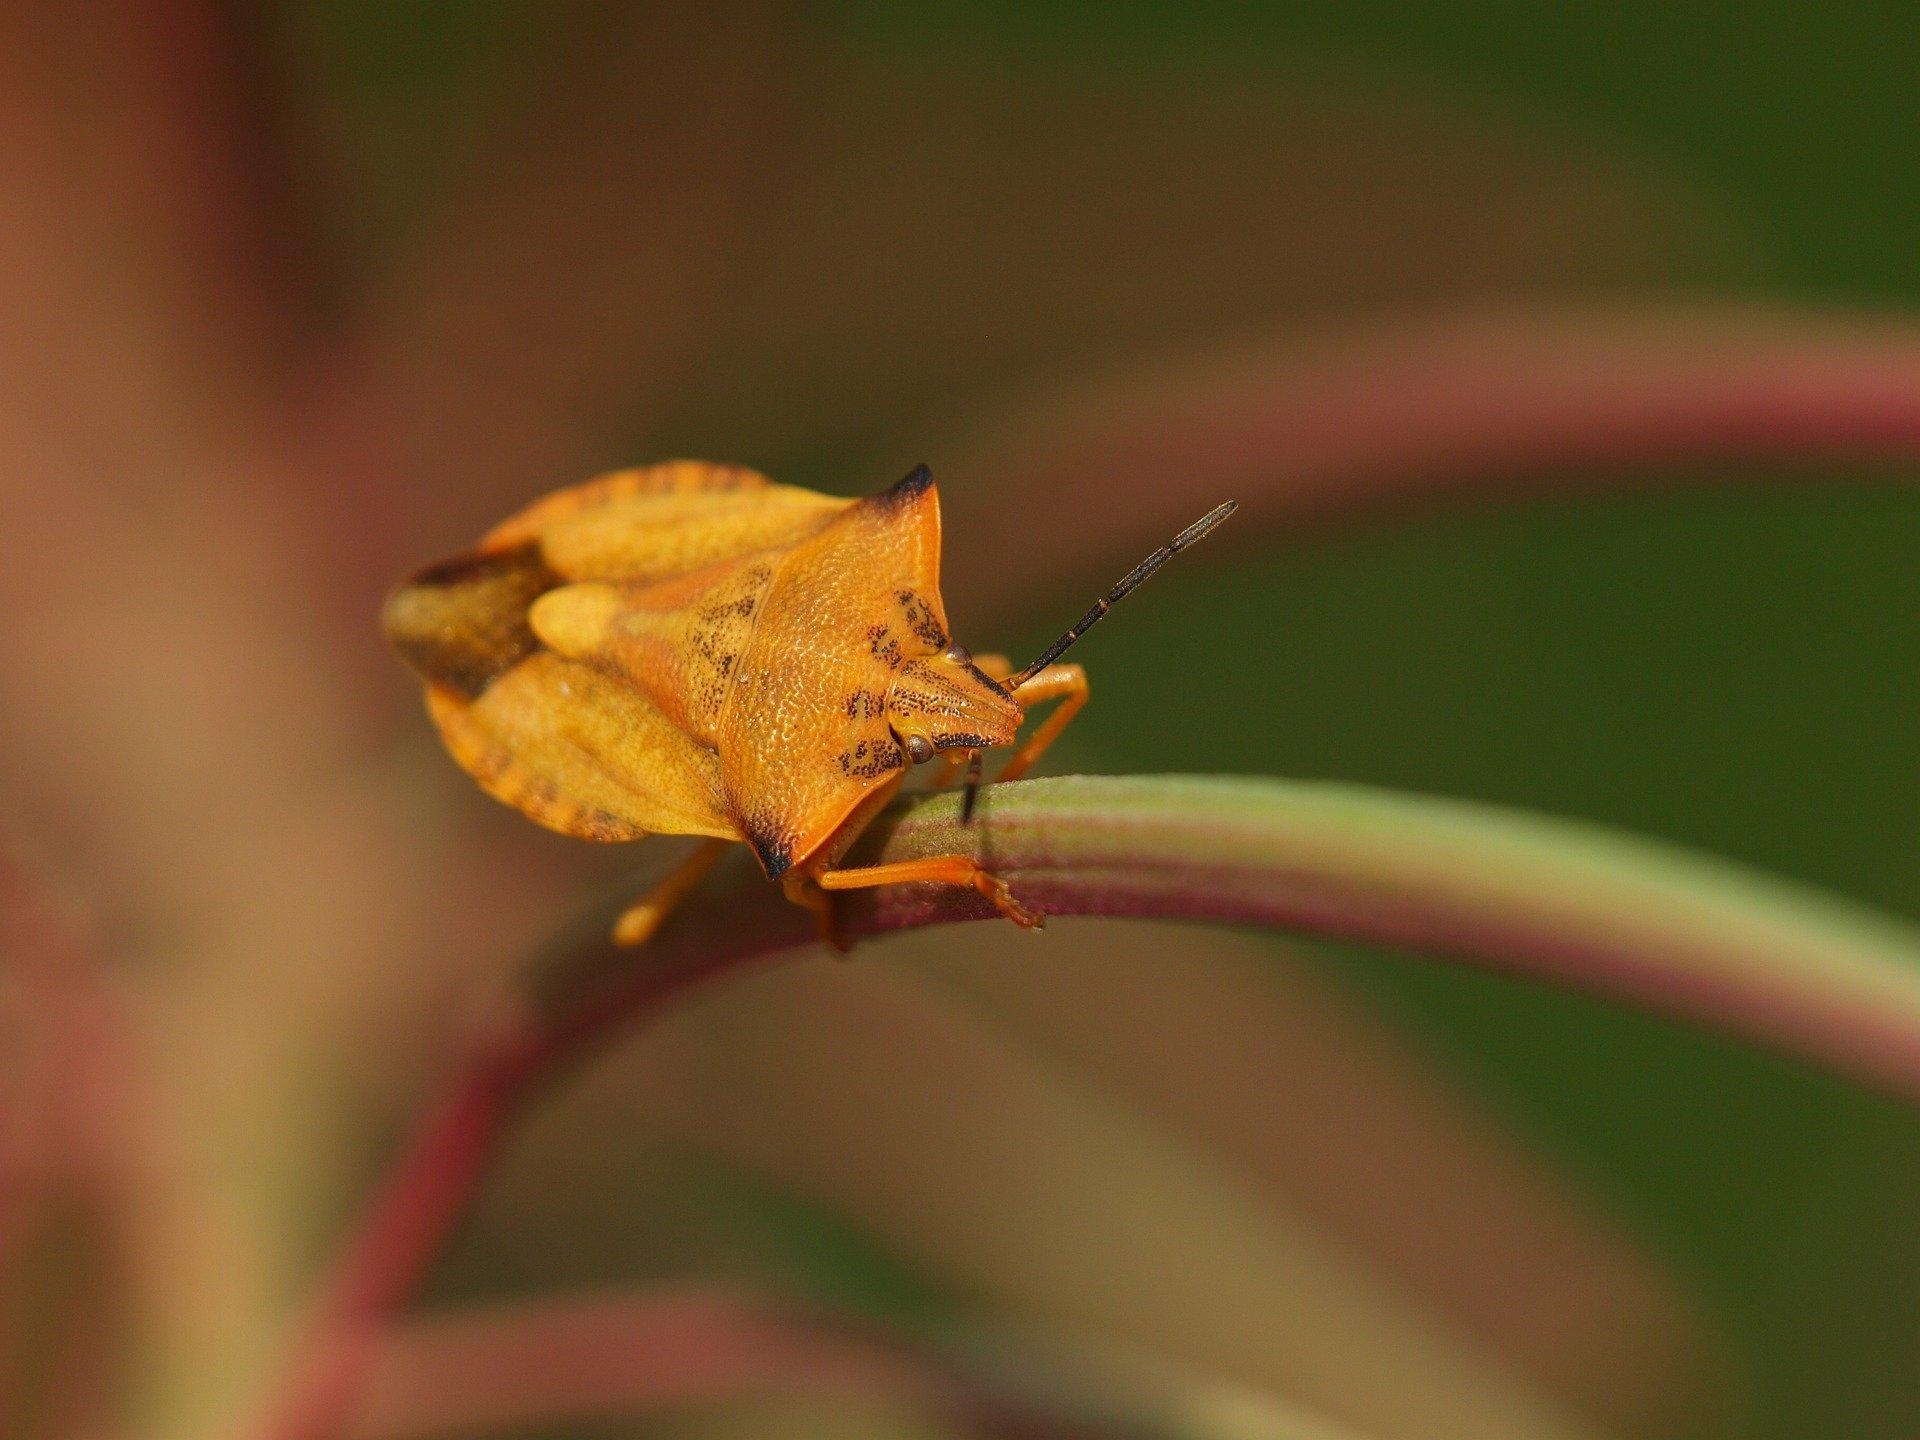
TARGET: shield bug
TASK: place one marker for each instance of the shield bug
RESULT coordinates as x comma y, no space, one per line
689,649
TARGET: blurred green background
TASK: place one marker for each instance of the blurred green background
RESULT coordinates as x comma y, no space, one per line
936,222
1733,667
1738,671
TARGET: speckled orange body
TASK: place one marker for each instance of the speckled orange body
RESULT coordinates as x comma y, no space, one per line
690,649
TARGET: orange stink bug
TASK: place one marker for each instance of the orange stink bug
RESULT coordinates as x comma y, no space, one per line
688,649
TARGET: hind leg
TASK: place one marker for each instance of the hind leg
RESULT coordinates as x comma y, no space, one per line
639,920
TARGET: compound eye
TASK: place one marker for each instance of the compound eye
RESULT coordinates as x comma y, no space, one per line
919,749
959,655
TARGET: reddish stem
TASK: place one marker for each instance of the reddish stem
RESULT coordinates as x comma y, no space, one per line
386,1258
407,1220
1320,428
75,1140
1635,921
580,1356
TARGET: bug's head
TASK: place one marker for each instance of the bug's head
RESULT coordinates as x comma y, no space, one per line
942,702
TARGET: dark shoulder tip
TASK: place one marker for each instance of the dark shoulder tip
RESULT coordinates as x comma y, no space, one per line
918,482
775,853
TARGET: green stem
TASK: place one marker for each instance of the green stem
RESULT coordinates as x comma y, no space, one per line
1625,918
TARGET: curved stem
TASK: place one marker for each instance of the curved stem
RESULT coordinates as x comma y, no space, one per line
1323,427
594,1355
1626,918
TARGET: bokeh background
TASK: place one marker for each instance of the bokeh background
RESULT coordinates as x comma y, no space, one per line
296,296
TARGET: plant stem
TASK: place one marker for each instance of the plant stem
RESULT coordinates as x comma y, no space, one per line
587,1356
1334,426
1630,919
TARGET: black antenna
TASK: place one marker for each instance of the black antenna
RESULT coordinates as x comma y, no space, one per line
1134,576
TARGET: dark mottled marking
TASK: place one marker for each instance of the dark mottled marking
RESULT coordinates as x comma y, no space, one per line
960,742
714,614
865,705
775,852
885,648
870,759
463,622
986,679
709,650
717,611
921,620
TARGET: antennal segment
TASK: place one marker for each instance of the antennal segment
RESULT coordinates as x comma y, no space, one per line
1134,576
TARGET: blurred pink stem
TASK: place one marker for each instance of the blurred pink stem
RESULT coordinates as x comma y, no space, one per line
1491,402
405,1223
577,1357
77,1138
385,1260
585,1357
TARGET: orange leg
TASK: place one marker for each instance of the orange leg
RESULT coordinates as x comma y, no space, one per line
640,919
1067,684
938,870
802,890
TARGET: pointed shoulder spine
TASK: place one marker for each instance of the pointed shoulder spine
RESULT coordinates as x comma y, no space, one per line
917,482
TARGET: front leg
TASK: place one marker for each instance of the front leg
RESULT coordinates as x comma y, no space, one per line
1065,683
646,915
804,890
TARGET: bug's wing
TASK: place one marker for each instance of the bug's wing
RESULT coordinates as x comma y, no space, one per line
678,640
583,753
591,749
671,477
571,746
651,524
462,624
803,735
